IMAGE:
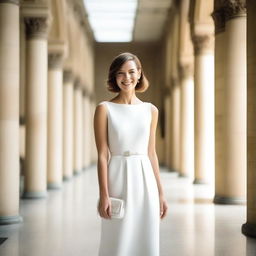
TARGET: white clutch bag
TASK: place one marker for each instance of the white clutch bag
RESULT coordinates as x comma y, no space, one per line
117,208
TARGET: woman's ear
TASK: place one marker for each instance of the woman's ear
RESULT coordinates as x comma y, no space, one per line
139,74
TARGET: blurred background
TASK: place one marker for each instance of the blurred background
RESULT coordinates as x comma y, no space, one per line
199,58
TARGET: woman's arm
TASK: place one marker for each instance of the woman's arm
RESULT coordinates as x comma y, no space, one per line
100,132
154,160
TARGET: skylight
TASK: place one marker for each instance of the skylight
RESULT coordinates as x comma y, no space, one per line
111,20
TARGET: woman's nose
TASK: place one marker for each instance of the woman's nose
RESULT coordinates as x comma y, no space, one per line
127,75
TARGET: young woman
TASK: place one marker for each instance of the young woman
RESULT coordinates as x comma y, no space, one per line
126,127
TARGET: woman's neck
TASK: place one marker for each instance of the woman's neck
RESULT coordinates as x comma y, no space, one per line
126,98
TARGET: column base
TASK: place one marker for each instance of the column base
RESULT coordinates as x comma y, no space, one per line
67,178
34,195
77,172
249,229
172,170
21,184
54,186
228,200
7,220
182,175
200,181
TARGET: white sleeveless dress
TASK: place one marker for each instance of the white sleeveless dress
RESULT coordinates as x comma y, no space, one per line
131,178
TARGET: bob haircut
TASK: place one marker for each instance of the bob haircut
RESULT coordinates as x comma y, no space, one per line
115,66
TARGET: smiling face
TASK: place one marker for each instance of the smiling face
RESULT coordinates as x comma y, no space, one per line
127,76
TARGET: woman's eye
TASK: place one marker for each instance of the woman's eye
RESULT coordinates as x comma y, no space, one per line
122,73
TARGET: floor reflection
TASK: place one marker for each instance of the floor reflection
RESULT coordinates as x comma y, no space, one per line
66,222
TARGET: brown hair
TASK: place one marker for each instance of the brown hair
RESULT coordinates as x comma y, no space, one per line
115,66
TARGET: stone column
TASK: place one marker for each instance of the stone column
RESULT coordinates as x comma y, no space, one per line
204,108
89,131
86,130
9,112
93,155
36,108
168,127
176,125
186,80
78,129
219,63
68,109
54,124
249,228
186,121
230,102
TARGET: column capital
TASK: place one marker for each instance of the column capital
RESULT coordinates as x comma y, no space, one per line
234,8
92,96
166,91
174,81
17,2
36,27
77,84
219,20
226,10
55,60
68,76
203,43
86,92
186,70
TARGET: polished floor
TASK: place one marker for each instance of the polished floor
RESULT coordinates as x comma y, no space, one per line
66,223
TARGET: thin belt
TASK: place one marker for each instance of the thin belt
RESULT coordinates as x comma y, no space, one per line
128,153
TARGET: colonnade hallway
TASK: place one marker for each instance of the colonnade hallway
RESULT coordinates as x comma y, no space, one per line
67,224
200,58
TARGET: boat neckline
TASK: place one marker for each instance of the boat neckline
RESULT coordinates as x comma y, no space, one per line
124,104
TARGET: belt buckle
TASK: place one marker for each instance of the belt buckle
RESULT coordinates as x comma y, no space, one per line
127,153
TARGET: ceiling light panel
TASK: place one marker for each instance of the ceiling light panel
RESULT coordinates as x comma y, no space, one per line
112,20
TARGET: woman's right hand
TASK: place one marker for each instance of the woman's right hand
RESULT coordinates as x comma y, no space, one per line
104,207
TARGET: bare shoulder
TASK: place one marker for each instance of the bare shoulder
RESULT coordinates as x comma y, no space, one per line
154,109
101,105
101,109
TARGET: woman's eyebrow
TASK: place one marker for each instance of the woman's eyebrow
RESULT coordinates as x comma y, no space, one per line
128,70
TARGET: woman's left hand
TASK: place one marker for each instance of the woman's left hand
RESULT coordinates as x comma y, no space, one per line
163,207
